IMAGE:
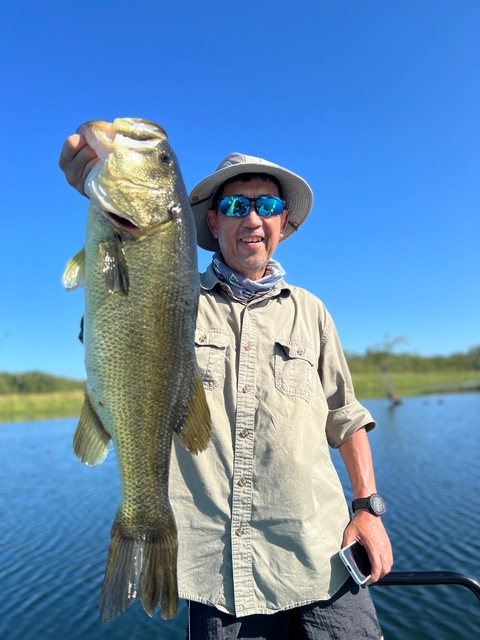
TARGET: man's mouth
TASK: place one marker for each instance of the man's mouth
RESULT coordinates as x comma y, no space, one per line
252,240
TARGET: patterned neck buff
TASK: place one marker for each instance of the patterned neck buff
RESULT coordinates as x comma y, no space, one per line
243,288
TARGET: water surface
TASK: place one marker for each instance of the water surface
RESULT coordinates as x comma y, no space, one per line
56,516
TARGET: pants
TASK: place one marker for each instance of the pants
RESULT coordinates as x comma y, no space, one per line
348,615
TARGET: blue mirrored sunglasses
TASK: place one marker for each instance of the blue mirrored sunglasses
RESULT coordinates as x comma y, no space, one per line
237,206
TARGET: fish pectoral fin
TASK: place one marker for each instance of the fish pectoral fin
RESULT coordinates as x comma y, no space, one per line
143,568
91,441
74,274
195,432
114,265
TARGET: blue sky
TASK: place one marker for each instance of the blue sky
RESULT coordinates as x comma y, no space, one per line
374,103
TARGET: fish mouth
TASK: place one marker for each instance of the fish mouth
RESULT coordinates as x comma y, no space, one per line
124,223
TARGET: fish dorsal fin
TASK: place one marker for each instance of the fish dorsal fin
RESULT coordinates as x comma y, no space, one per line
74,275
91,441
195,432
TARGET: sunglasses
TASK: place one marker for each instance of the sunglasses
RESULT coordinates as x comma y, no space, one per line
239,206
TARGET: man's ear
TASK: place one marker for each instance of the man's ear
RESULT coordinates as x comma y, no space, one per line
211,217
284,222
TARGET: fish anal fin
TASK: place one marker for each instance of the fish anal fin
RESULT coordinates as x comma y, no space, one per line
143,568
74,274
91,441
195,432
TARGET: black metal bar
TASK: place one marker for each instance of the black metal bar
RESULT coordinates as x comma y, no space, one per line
429,577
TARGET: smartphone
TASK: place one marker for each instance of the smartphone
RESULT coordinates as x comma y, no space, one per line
356,559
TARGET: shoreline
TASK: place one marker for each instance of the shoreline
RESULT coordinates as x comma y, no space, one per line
30,407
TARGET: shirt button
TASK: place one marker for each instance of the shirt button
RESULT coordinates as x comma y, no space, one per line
202,338
247,347
242,482
243,433
246,389
239,533
300,351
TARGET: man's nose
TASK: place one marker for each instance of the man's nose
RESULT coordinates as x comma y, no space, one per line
252,216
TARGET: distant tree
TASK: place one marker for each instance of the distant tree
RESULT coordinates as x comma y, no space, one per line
36,382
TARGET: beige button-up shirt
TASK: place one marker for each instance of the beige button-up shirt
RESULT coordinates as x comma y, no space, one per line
261,512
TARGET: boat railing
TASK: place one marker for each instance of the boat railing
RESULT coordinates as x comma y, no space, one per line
429,577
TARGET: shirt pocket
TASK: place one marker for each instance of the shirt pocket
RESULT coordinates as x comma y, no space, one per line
211,349
294,368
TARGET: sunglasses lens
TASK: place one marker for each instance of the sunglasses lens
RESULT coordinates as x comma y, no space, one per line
234,206
269,206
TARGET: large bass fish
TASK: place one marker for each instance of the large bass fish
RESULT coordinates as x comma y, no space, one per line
139,270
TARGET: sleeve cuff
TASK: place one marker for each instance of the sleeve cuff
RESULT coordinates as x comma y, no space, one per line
343,422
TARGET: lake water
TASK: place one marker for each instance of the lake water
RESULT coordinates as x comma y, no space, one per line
55,518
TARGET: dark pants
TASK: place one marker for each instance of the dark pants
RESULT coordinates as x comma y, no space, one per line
349,615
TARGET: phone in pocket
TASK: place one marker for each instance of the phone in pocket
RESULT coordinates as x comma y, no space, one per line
355,558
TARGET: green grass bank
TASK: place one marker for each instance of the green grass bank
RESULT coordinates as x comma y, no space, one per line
22,407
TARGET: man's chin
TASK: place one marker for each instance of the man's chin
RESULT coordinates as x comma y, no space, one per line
254,270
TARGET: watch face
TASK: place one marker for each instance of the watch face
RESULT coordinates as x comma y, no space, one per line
378,504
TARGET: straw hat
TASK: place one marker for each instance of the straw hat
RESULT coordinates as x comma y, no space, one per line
296,193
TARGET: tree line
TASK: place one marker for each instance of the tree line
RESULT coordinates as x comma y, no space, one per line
36,382
373,361
385,360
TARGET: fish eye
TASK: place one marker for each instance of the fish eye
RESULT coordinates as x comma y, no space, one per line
166,158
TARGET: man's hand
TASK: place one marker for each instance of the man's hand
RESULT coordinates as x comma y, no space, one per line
369,531
76,161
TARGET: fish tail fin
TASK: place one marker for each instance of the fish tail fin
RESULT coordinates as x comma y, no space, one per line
74,274
143,568
91,441
159,582
195,432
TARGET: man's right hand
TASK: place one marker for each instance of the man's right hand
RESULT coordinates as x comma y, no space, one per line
76,161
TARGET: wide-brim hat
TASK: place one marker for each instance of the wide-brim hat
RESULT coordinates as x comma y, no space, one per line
296,192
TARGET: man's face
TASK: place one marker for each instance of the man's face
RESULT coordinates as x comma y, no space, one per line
248,243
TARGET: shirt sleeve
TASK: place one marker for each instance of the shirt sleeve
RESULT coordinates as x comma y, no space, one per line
346,415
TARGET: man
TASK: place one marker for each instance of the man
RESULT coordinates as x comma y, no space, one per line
261,513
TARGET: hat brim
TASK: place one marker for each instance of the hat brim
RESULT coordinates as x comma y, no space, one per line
297,194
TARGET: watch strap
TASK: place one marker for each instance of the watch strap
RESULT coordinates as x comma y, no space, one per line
361,503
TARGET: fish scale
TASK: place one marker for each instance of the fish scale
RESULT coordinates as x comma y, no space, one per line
139,270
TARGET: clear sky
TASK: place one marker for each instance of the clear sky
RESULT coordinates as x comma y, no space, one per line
374,103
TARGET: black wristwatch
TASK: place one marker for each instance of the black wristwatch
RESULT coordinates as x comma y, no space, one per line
374,503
